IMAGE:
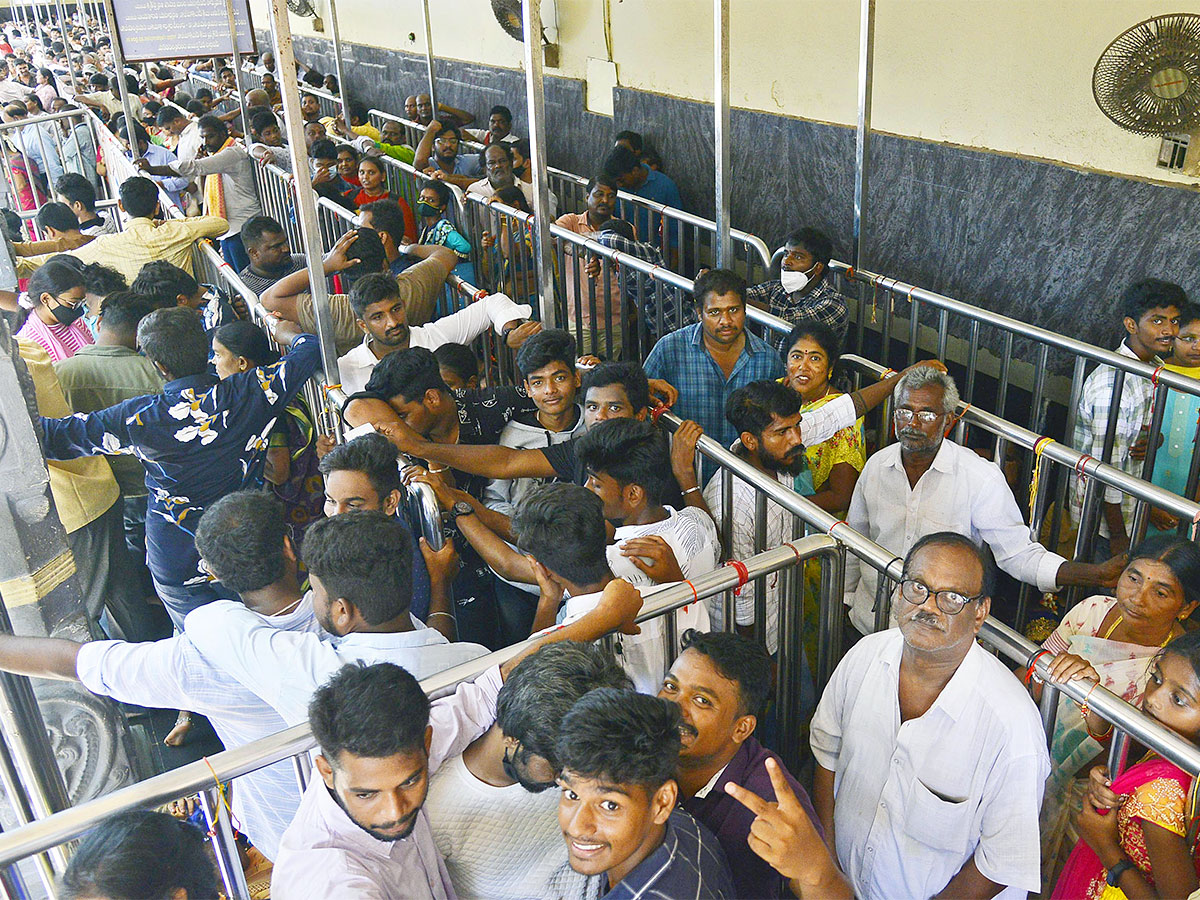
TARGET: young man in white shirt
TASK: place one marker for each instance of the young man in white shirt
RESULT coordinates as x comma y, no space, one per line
931,758
492,808
562,529
361,829
243,540
360,567
925,483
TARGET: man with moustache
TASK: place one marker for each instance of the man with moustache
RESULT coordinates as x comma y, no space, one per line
925,483
766,415
583,276
721,682
709,361
361,829
931,757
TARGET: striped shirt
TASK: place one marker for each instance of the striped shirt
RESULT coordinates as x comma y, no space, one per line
60,341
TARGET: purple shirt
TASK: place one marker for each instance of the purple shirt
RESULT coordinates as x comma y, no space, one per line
730,821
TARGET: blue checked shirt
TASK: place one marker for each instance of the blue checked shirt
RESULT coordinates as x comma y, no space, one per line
681,359
198,440
641,290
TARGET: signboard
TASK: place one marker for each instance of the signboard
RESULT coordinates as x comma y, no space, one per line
152,30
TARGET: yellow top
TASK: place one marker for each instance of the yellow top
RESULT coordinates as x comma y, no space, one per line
83,489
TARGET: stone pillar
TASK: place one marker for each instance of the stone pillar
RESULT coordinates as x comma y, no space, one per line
86,735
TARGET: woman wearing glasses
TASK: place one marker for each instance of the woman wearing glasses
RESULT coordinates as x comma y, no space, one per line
55,320
1112,640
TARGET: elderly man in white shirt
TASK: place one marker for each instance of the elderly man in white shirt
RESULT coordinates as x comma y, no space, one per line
925,483
361,830
931,759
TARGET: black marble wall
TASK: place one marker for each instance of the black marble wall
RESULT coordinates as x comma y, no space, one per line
1044,243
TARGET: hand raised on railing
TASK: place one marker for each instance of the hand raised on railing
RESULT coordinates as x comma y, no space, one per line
325,443
683,453
1163,520
487,240
661,389
1069,667
654,556
442,564
592,267
445,493
619,605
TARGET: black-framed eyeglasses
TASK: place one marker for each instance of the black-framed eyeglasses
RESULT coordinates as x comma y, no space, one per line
949,602
924,416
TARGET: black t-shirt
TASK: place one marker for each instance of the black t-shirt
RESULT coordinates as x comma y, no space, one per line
567,466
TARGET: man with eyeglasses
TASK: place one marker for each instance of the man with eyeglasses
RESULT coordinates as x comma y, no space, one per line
925,483
930,756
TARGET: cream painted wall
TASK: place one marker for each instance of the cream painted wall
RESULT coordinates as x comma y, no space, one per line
1013,76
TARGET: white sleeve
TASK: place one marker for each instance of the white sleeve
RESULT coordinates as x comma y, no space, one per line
819,425
825,729
463,716
994,514
467,324
856,518
1009,852
145,674
281,667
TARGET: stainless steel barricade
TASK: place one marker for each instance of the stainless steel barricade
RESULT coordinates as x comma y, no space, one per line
295,742
36,151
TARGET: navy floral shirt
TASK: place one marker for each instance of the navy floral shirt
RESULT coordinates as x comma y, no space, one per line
198,440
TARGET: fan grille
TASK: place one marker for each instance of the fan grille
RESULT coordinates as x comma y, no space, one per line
1148,79
301,7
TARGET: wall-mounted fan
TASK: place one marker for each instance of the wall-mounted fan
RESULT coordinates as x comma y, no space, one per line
301,7
1148,79
508,14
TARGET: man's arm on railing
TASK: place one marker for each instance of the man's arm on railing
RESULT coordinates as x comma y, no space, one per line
463,117
489,460
39,657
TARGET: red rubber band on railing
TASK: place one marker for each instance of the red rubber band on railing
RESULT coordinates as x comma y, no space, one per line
695,596
1033,664
480,294
1154,377
835,525
1081,466
743,573
794,550
656,413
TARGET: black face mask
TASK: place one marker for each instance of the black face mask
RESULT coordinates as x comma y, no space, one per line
68,315
517,775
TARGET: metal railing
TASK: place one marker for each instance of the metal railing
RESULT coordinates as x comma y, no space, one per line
295,742
36,151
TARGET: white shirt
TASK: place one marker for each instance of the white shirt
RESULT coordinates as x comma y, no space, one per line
503,843
960,492
819,425
171,674
285,668
646,656
913,802
189,142
325,854
779,529
461,327
689,532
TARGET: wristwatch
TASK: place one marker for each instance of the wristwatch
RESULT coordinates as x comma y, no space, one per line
1115,873
460,508
508,331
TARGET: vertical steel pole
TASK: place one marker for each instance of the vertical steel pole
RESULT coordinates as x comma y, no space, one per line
724,183
237,68
305,199
119,63
337,60
543,251
62,17
433,102
862,138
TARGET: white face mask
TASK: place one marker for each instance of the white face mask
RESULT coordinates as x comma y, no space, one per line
795,281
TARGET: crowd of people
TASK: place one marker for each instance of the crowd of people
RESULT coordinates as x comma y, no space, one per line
242,567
